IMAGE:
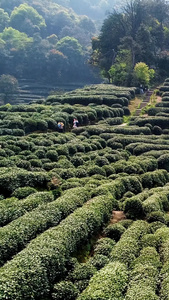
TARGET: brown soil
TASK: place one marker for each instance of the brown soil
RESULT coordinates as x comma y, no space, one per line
117,216
158,99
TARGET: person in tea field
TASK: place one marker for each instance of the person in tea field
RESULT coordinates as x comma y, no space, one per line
60,126
75,123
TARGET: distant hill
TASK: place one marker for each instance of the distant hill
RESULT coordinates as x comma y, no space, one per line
95,9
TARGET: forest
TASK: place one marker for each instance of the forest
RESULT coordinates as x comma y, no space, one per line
45,41
84,173
53,42
138,33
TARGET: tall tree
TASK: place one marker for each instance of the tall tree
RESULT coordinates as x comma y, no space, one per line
135,14
112,31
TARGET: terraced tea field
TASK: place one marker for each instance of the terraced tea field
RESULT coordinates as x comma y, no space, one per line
84,213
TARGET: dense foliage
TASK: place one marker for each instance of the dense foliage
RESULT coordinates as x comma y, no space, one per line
58,238
137,33
45,42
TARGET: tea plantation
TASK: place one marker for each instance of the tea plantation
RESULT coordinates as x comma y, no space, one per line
59,188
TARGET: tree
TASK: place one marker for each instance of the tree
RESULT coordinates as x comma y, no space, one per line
26,19
146,45
4,17
135,15
59,20
8,87
121,69
112,31
56,66
142,74
35,64
141,27
87,24
15,39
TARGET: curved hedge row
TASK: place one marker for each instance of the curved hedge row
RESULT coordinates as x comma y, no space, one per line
44,259
156,202
109,283
18,233
144,276
129,246
164,251
119,187
13,208
163,122
12,178
156,178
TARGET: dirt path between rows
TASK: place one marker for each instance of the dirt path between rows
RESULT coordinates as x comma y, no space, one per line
117,216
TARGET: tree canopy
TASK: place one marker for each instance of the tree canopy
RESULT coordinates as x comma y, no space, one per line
37,35
26,19
141,29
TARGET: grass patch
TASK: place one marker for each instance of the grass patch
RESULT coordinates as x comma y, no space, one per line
134,104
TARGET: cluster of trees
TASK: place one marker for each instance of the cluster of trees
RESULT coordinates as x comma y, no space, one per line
44,41
138,33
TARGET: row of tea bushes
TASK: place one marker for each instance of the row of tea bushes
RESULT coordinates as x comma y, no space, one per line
106,131
115,278
156,202
156,178
15,235
152,206
144,277
160,121
115,274
129,139
13,208
86,100
12,178
108,89
129,245
119,187
164,275
140,148
136,165
16,122
156,110
44,260
97,94
76,281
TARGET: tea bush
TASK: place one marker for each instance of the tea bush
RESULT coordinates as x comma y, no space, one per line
156,178
156,216
23,192
11,209
78,227
144,276
99,261
65,290
104,246
115,281
128,247
16,234
114,231
133,208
